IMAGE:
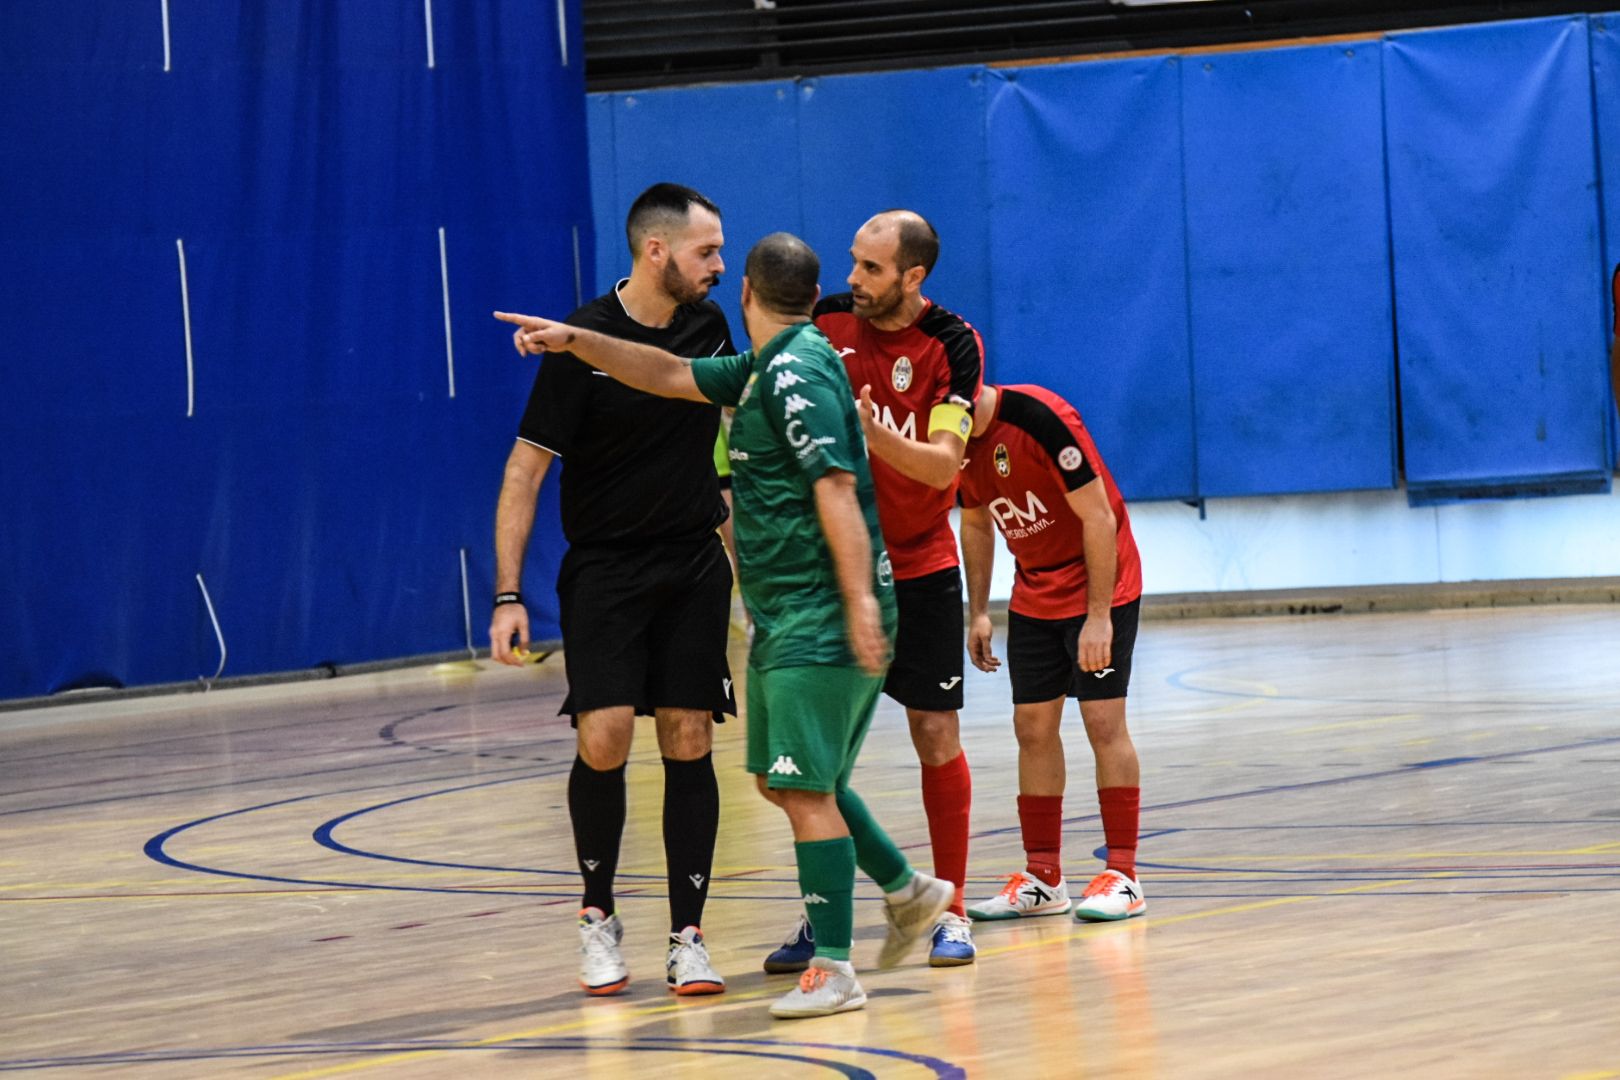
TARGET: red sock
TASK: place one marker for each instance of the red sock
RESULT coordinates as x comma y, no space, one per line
1041,818
1121,807
947,793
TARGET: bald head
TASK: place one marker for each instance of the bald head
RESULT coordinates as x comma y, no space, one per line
915,241
783,272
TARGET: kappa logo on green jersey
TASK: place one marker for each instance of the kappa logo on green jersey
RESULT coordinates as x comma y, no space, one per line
785,379
796,403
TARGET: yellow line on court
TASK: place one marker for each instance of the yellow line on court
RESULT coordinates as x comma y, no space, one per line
1093,929
1608,1074
618,1019
1376,721
615,1019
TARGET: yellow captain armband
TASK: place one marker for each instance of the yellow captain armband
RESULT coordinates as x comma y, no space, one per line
952,418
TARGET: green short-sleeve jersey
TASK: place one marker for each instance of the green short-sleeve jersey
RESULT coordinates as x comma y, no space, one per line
796,421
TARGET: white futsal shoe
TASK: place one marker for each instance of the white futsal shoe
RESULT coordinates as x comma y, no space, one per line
1024,896
601,965
826,987
1110,896
912,912
687,967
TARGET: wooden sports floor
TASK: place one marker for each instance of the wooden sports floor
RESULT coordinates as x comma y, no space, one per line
1373,846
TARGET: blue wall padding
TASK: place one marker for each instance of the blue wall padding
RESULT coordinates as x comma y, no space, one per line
738,145
1288,259
932,153
328,482
1088,258
607,218
1498,282
1606,94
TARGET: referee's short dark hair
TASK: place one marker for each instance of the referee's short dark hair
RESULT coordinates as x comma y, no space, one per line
662,206
783,272
918,242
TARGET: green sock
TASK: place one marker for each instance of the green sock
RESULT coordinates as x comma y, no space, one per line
827,881
875,853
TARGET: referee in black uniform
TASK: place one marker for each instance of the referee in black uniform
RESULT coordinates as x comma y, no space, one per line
645,587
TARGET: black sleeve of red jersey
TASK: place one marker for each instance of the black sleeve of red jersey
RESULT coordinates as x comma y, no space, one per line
834,304
964,352
1046,427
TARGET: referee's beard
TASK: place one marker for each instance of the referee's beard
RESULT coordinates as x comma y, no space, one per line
682,290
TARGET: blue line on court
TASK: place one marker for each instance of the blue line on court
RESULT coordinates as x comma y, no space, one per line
155,850
766,1049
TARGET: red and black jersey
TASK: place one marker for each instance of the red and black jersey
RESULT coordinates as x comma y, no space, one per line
937,360
1036,451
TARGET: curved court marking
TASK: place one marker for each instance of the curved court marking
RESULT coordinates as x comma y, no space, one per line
155,847
406,1049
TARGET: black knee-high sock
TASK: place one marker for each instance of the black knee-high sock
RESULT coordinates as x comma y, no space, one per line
691,816
596,806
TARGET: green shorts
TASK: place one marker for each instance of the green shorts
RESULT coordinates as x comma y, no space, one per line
806,724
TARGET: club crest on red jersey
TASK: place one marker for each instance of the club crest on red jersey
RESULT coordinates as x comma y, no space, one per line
901,377
1003,462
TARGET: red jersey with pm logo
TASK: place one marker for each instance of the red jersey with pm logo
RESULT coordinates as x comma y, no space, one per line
1021,469
938,359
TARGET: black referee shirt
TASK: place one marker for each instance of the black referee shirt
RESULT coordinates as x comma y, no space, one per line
635,467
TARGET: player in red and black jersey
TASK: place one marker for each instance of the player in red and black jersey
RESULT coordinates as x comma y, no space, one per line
917,368
1033,472
645,589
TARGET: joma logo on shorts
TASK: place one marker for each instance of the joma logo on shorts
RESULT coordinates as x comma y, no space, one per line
784,765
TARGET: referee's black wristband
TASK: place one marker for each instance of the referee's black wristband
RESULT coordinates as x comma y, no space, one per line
508,598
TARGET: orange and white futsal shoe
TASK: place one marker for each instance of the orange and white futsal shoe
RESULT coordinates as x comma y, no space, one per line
826,987
687,967
1024,896
601,965
1110,896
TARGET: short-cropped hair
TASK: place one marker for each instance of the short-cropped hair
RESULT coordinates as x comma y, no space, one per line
662,208
784,272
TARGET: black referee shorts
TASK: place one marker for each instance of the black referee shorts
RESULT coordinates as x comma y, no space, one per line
927,669
647,627
1043,658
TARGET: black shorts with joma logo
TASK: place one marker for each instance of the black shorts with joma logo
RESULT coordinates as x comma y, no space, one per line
1043,657
927,670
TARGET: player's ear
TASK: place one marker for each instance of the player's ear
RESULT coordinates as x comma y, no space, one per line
654,250
912,279
817,300
747,292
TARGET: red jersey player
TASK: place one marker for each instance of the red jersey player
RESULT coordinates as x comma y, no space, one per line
918,369
1034,472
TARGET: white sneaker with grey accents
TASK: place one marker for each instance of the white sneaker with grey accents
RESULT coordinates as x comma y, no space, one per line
912,912
601,965
687,968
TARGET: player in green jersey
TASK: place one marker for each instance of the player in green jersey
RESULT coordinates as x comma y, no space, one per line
817,580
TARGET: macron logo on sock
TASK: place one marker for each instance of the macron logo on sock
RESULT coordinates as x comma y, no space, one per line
814,898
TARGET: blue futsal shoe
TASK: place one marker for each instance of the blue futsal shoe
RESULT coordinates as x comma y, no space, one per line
795,953
952,942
